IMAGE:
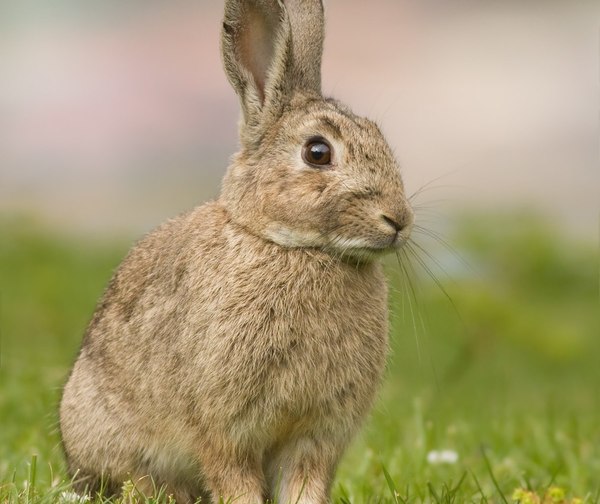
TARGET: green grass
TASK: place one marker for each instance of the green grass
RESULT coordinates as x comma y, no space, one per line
506,374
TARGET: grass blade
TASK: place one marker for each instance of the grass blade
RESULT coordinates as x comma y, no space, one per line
31,479
494,481
391,485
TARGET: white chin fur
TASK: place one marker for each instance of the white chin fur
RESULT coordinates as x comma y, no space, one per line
343,243
291,238
356,247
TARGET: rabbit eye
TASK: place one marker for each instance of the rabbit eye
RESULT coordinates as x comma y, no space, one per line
317,152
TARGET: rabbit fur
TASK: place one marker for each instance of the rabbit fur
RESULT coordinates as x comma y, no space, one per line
239,346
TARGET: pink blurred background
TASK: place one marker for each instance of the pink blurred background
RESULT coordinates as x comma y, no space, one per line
117,115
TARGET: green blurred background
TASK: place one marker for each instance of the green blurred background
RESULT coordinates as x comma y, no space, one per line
113,118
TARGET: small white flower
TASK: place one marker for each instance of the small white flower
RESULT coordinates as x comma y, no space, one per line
435,457
72,497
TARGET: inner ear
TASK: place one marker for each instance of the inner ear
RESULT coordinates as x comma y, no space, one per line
257,46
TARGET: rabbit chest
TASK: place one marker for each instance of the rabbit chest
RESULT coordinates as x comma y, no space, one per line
224,328
287,335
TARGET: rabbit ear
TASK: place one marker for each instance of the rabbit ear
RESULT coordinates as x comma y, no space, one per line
271,48
307,19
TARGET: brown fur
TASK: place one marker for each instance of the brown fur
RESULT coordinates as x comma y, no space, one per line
239,346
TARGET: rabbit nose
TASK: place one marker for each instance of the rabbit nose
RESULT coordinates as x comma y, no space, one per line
396,224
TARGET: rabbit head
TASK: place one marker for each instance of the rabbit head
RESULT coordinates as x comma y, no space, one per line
310,173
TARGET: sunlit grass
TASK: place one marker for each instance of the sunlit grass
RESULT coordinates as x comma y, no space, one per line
486,396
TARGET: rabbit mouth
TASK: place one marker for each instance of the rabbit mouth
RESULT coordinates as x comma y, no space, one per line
368,247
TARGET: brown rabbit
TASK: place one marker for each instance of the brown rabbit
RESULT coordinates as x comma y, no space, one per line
239,346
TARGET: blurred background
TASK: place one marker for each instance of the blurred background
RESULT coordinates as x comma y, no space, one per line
117,115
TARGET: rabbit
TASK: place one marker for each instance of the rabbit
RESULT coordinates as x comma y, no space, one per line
239,346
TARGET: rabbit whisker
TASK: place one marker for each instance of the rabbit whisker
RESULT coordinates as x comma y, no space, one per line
429,185
438,238
410,296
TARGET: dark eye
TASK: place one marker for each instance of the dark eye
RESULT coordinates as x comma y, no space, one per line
317,152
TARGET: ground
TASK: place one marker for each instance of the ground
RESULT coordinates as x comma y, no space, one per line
491,393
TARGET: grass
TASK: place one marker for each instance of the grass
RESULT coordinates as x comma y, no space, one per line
505,377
